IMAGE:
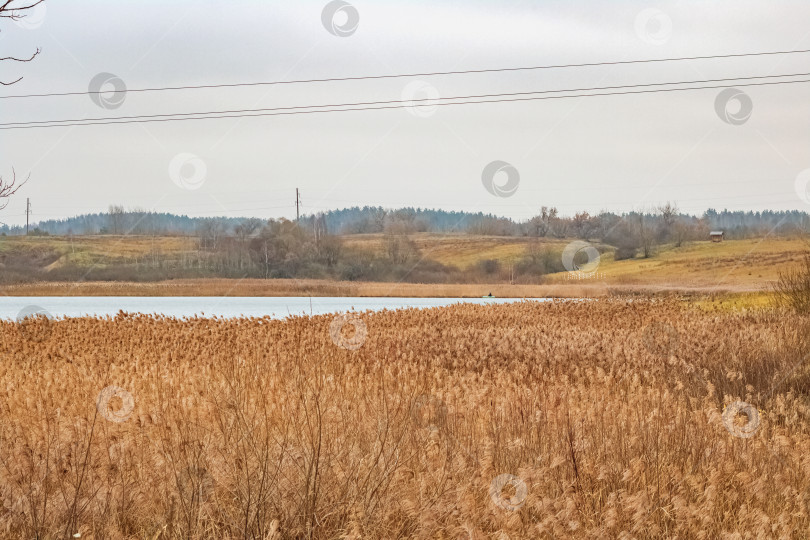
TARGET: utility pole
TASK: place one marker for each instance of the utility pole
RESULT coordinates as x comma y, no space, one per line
297,204
27,213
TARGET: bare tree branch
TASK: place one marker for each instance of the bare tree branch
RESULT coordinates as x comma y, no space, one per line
9,11
7,189
22,59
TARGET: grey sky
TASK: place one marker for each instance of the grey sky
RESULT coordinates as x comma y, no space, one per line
616,153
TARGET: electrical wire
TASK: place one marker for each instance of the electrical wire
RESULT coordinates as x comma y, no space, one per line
282,112
425,74
408,102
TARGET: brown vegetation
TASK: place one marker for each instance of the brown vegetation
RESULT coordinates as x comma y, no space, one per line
104,266
793,287
573,288
601,419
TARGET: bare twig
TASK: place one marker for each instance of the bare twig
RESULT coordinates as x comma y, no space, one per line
15,59
7,189
13,12
10,83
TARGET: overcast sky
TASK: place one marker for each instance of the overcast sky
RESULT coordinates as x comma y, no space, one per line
617,153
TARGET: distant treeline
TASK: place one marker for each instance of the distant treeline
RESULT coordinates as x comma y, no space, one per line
315,247
374,219
120,221
368,219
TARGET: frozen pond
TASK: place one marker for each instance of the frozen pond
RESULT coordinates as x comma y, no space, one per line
277,307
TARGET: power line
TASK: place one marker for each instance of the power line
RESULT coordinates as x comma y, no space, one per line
408,102
401,105
426,74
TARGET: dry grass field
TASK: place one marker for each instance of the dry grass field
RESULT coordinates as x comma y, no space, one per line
95,250
750,263
589,419
459,250
737,266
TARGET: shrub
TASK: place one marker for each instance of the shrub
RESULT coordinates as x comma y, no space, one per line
793,287
625,252
489,266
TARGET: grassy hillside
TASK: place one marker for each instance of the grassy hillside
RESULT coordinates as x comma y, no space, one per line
57,251
749,263
735,265
459,250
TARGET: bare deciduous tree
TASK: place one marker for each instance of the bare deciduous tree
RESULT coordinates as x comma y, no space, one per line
543,223
645,232
681,232
210,231
16,10
244,231
7,189
247,228
669,215
116,221
583,225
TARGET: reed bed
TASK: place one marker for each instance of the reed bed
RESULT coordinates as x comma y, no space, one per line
591,419
298,287
574,288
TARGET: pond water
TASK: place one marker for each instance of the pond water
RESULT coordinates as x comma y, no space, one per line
277,307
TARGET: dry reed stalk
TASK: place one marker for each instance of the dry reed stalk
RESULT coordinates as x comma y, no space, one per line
529,420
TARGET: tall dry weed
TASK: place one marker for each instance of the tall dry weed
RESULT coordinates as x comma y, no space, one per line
533,420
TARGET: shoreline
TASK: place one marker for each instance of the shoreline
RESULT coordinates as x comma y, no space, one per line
326,288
